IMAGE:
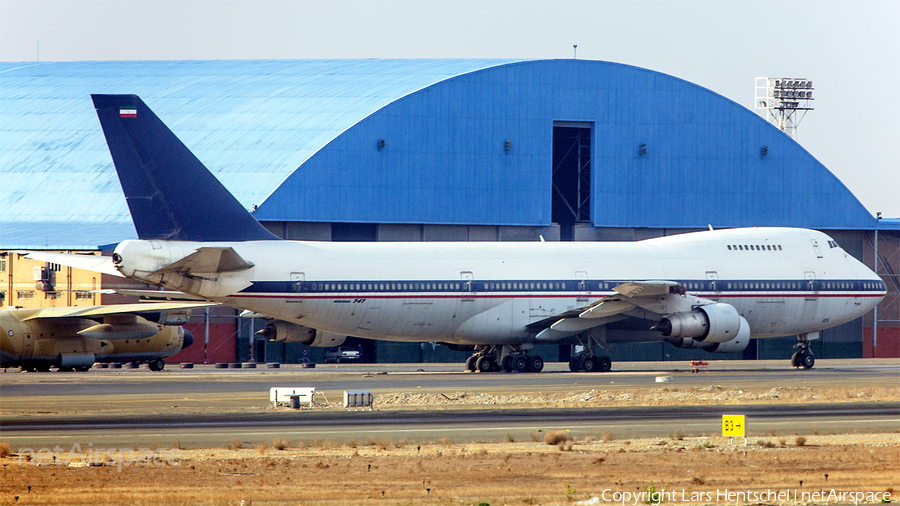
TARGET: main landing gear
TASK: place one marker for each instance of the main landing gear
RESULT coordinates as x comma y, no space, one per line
505,358
804,357
156,365
586,361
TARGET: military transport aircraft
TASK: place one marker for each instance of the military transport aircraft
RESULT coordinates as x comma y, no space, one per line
75,338
713,290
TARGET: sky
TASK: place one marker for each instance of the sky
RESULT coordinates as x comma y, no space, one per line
850,49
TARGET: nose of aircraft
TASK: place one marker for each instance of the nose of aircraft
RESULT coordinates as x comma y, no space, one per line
864,273
188,339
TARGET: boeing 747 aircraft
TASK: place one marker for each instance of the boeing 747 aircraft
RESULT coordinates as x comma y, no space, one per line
713,290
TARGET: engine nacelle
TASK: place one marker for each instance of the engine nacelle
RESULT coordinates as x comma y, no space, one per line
459,347
286,332
117,332
713,323
169,317
737,344
684,342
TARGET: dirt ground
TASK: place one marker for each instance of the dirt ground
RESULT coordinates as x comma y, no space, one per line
781,469
653,396
765,469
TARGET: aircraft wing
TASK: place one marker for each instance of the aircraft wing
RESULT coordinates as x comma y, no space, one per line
645,288
94,263
208,261
629,295
114,309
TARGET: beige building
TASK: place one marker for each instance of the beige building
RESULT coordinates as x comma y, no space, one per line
32,283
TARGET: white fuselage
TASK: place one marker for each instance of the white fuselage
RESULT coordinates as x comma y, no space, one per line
783,281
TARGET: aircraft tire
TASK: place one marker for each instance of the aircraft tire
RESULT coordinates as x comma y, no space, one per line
470,364
483,364
589,363
807,360
536,363
604,364
506,364
82,368
156,365
574,364
795,360
520,364
42,368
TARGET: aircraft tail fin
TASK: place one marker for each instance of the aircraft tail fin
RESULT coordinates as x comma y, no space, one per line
171,195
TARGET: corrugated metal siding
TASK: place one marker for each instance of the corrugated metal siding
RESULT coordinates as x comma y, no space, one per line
254,122
251,122
444,161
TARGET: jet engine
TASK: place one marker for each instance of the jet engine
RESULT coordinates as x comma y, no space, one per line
684,342
286,332
732,346
713,323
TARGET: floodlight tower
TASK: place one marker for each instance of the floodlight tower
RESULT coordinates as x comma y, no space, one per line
784,101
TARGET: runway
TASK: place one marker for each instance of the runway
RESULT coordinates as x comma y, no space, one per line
208,407
455,425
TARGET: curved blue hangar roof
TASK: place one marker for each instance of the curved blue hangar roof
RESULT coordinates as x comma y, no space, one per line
303,141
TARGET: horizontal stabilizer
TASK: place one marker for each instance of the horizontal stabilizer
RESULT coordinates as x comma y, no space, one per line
208,261
157,294
93,263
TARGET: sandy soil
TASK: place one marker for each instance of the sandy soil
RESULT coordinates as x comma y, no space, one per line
653,396
767,470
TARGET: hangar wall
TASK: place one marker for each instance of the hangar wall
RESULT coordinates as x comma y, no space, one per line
666,154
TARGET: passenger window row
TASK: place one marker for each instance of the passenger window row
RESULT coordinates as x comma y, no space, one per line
754,247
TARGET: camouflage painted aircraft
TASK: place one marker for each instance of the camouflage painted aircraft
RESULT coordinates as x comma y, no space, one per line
75,338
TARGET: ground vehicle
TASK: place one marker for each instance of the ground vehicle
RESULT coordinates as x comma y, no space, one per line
345,353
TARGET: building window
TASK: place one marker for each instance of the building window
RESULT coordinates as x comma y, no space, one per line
82,295
50,295
2,264
25,294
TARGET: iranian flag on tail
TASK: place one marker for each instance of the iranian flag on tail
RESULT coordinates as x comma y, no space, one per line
127,112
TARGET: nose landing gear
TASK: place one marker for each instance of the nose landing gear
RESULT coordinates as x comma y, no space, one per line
803,357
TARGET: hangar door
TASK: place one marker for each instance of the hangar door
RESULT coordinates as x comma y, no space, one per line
571,202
